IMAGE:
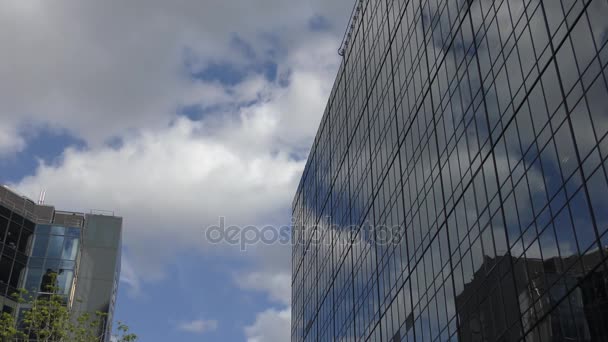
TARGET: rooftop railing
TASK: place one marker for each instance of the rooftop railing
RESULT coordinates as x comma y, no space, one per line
352,24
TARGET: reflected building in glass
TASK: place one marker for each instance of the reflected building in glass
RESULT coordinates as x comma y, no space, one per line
39,244
457,187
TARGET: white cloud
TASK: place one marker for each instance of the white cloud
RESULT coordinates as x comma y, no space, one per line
270,326
276,284
10,141
130,277
90,69
169,177
170,184
170,180
198,326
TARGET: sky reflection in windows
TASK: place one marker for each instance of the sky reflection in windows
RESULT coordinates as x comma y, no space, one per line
479,128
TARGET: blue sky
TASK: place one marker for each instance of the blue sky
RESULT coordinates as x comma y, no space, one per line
195,111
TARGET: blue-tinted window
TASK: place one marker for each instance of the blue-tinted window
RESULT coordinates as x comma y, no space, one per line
55,246
70,248
43,229
67,264
40,245
75,232
54,251
32,280
64,281
52,264
35,262
58,230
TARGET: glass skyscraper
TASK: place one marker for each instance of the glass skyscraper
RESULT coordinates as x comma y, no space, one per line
457,187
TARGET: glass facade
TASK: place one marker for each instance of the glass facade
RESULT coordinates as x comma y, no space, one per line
54,253
457,188
15,238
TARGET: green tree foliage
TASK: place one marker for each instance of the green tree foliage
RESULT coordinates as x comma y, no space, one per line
46,318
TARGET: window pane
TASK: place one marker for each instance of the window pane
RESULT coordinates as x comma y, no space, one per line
24,241
70,248
52,263
57,230
43,229
73,232
64,281
18,268
67,264
5,212
5,269
40,243
12,237
35,262
32,280
55,246
3,228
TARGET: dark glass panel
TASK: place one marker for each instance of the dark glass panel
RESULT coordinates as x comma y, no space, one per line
43,229
32,280
3,228
6,265
17,218
12,236
18,269
5,212
24,240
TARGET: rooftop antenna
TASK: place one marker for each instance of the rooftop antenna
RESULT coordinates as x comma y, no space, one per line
42,197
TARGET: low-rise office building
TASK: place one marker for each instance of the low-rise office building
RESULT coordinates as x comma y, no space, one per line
81,251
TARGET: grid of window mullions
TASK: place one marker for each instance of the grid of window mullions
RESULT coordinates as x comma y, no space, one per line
495,139
373,28
554,114
492,77
384,161
15,236
342,297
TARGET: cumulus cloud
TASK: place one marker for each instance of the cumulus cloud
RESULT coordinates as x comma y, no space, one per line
90,69
129,277
198,326
270,326
10,141
276,285
235,162
170,184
